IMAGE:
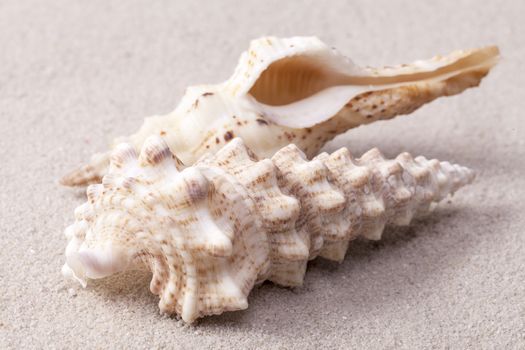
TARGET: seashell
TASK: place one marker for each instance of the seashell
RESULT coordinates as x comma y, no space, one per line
297,90
211,231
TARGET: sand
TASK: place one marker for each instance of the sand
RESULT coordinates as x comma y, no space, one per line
74,75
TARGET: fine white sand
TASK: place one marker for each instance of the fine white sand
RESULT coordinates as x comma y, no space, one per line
74,75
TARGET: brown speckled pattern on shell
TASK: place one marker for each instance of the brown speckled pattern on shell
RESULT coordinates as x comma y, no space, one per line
211,231
289,73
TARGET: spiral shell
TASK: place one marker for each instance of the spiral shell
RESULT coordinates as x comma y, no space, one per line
297,90
211,231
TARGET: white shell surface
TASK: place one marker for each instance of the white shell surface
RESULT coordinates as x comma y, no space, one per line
297,90
210,232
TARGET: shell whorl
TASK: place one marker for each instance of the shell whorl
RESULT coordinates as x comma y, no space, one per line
211,231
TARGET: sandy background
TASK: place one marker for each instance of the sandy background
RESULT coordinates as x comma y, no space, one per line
74,74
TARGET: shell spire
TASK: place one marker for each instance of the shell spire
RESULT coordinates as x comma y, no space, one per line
210,232
297,90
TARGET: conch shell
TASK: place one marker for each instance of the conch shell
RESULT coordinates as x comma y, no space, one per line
213,230
297,90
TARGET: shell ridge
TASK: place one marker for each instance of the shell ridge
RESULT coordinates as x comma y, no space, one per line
213,230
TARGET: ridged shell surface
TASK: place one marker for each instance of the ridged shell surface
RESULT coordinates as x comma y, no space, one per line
211,231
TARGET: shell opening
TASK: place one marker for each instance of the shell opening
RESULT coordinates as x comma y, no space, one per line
302,91
294,78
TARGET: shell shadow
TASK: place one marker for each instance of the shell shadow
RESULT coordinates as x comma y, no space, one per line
129,287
